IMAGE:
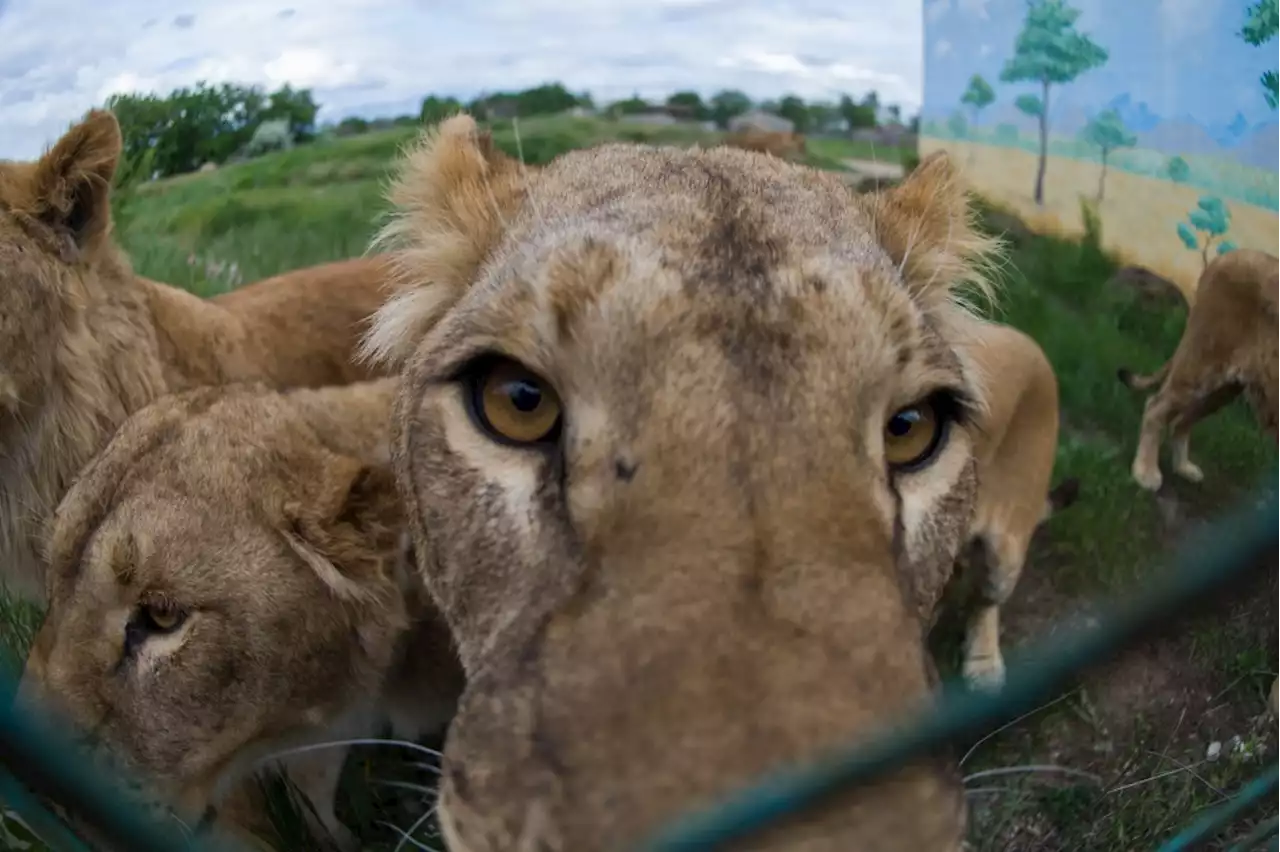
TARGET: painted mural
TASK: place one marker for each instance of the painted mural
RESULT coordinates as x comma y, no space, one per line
1158,115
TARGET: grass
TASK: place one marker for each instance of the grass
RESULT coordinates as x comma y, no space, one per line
1151,713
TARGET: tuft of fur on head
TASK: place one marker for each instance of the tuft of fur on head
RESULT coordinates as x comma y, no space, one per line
452,195
930,229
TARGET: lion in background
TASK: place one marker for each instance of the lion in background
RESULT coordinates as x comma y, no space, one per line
1017,445
226,583
84,341
687,440
789,145
1228,347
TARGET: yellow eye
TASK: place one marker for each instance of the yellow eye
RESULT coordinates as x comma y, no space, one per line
163,619
912,435
514,405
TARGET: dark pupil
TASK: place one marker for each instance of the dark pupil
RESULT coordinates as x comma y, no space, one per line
524,395
901,423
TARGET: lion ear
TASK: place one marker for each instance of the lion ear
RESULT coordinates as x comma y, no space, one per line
453,196
929,229
348,528
71,183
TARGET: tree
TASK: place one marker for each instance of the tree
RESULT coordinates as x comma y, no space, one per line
1029,105
1107,131
978,96
1210,218
958,126
1177,169
1260,27
895,113
857,115
688,104
822,116
630,106
728,104
435,109
793,109
296,107
1050,51
190,126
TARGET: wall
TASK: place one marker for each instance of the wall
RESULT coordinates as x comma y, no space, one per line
1161,117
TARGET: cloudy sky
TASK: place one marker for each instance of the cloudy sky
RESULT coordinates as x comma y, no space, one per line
370,57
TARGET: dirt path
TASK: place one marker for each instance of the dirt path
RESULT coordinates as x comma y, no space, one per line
1163,727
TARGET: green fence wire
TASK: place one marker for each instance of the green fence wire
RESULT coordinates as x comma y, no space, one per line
37,761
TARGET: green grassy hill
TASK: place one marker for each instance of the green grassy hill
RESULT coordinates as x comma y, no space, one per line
211,231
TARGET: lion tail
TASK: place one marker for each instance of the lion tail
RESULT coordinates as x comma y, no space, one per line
1133,381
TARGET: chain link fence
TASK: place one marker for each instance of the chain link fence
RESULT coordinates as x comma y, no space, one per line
41,766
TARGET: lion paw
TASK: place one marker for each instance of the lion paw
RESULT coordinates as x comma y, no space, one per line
1150,479
984,673
1189,471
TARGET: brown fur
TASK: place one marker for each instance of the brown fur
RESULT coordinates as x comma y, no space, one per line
1228,347
84,342
785,144
272,519
712,574
1016,446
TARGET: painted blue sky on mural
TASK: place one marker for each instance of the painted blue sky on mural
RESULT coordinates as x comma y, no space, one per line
1178,73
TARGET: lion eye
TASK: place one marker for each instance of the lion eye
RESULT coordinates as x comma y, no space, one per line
913,435
163,618
151,619
513,404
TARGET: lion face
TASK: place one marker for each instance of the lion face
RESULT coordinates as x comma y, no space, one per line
54,222
220,584
685,438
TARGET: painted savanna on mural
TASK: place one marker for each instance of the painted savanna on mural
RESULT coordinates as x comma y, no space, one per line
1158,116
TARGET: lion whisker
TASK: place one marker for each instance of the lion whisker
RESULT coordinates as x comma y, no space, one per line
1045,769
357,741
404,837
407,836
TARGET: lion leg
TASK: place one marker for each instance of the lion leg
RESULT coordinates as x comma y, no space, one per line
1203,403
1146,461
1002,566
1180,450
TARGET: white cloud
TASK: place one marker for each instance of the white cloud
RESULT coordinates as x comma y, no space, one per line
974,8
984,50
60,57
941,47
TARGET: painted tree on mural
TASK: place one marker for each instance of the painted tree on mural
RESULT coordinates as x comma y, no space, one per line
1049,50
1210,221
1177,169
1261,22
1106,130
978,96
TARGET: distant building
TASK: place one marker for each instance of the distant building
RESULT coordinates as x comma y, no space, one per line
760,120
658,116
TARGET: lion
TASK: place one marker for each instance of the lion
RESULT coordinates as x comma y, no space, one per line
687,440
1228,347
785,144
226,582
84,341
1016,446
